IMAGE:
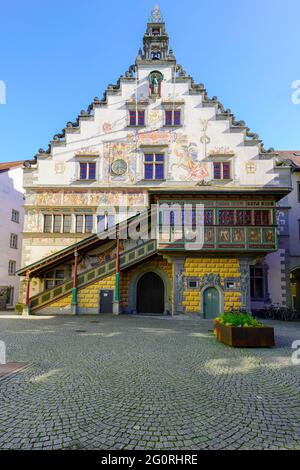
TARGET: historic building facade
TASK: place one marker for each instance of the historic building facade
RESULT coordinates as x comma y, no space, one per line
155,138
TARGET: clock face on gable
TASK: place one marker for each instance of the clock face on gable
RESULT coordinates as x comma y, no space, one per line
119,167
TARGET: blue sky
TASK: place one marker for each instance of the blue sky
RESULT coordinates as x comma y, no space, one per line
56,56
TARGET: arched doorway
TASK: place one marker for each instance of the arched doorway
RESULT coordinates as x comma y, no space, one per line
150,294
211,302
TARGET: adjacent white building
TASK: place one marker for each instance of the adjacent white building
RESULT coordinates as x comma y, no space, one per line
11,227
289,226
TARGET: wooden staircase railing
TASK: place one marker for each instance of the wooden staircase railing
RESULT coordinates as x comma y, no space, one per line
100,271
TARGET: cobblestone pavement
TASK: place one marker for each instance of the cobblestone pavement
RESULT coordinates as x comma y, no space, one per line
145,383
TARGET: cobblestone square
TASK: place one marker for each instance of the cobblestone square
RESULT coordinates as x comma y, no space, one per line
106,382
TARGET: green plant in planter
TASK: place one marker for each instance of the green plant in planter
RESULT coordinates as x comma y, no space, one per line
238,319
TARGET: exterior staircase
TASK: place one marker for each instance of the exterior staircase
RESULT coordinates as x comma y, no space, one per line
127,258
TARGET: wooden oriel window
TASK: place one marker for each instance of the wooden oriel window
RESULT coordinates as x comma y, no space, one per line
226,217
243,217
261,217
208,217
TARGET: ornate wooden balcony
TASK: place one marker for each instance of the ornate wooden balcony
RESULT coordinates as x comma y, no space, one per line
223,238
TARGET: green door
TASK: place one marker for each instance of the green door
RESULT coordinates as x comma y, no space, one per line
211,303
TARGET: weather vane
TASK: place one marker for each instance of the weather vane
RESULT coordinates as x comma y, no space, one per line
156,16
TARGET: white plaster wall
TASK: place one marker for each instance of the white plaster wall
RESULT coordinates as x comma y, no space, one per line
11,197
92,138
274,276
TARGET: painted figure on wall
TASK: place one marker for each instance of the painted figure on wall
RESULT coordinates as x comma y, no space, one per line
48,199
269,235
154,137
31,223
208,235
155,119
224,235
186,156
238,235
254,235
193,151
107,127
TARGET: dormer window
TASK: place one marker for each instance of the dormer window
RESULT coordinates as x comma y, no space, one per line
172,117
137,118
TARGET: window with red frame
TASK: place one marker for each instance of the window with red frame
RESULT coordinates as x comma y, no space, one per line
243,217
87,171
208,217
136,118
222,170
262,217
226,217
173,117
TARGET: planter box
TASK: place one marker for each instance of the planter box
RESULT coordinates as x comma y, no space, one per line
245,337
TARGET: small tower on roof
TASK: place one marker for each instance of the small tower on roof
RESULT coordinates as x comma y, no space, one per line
156,40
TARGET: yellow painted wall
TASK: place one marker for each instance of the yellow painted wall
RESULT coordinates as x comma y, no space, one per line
61,303
89,296
226,267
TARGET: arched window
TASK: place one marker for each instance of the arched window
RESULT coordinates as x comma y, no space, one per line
155,79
